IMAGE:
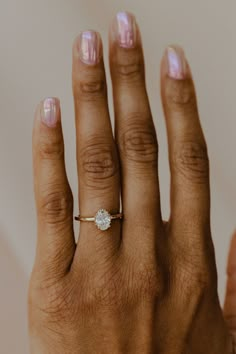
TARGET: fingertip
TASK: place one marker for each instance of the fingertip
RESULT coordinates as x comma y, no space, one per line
124,37
174,64
177,85
88,73
124,29
47,136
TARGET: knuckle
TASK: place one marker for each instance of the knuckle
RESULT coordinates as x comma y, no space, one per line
99,162
120,288
186,284
56,204
193,263
143,280
148,282
92,88
195,280
105,296
181,94
138,143
102,292
191,160
52,148
130,71
193,275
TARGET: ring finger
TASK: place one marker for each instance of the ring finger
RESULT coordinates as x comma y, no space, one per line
97,161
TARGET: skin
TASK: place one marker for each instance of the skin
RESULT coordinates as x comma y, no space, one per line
145,285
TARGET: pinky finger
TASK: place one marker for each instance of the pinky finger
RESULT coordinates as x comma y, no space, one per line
54,202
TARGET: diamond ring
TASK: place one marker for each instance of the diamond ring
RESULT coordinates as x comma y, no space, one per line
102,219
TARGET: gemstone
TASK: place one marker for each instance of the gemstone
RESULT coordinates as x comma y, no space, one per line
103,220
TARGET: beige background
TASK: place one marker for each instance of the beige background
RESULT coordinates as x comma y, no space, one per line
35,48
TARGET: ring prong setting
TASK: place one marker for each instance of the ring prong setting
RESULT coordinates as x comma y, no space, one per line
103,220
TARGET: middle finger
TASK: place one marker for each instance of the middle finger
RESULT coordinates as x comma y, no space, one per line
135,135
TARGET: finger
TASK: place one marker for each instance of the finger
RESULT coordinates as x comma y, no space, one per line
98,167
230,299
56,245
190,192
135,135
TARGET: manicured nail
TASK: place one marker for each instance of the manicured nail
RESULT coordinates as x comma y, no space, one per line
176,63
89,47
126,30
50,112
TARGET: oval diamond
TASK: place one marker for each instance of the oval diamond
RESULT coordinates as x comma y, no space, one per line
103,220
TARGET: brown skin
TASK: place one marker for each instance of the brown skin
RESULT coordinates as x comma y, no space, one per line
143,286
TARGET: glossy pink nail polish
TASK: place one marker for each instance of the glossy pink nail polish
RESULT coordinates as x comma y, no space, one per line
176,63
126,29
89,47
50,112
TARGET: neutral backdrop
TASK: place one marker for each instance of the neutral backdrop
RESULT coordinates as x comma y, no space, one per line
35,61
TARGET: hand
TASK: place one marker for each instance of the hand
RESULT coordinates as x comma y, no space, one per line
142,286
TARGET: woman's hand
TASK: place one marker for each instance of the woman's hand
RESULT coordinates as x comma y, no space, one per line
143,286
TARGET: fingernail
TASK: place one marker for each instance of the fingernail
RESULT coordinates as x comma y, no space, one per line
89,47
49,111
177,65
126,30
